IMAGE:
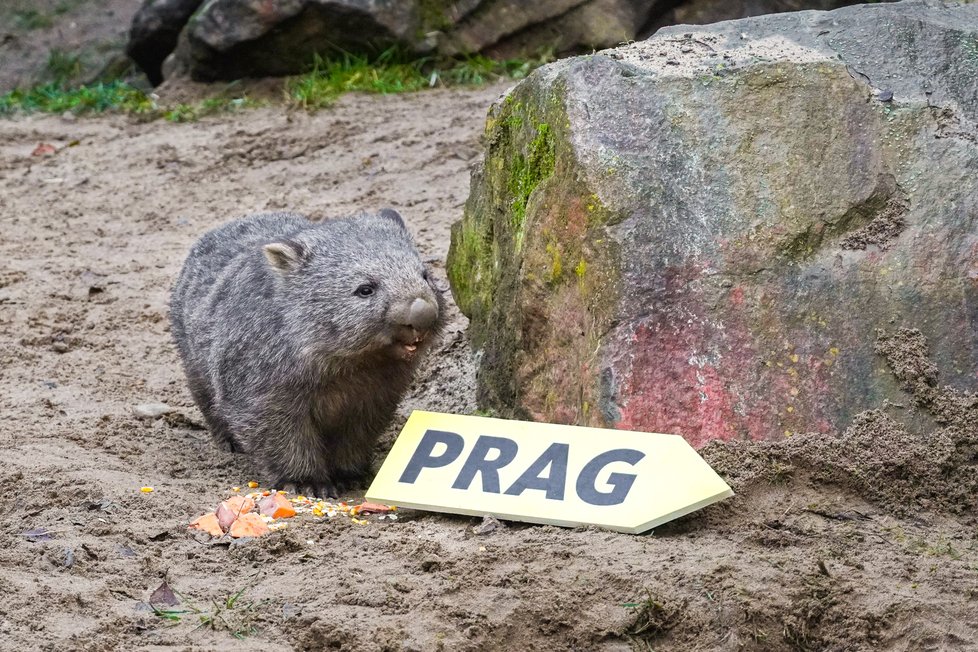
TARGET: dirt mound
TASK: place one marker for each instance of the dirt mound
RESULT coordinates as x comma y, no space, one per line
877,458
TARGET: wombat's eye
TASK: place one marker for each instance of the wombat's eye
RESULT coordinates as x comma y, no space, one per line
424,274
365,290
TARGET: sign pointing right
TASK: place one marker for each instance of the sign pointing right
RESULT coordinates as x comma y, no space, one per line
545,473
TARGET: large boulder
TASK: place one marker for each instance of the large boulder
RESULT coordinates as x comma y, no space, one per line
154,33
702,233
231,39
227,39
509,28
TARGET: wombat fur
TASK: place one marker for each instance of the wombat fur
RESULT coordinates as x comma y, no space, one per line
299,339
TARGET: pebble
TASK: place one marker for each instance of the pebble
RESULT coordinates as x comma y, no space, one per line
151,410
60,347
489,524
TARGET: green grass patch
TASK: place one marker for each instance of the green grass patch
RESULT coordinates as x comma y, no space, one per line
314,90
210,106
55,97
232,614
116,96
389,73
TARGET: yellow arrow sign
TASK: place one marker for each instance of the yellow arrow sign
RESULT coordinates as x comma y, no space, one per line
544,473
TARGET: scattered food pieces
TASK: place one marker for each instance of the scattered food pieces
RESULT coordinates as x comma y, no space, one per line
277,506
232,509
260,512
151,410
248,525
370,508
208,523
146,490
242,504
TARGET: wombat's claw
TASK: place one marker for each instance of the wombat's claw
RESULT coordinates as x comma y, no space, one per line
311,489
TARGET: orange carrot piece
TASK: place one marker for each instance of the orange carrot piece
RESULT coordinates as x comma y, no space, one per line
208,523
276,506
372,508
233,508
248,525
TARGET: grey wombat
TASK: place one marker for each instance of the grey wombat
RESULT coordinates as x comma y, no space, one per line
298,339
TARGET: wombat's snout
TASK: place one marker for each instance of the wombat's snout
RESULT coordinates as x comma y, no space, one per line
421,315
413,321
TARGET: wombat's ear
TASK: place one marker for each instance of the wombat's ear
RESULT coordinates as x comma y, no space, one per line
393,216
285,255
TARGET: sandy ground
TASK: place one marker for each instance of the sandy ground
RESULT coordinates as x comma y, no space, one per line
93,31
868,540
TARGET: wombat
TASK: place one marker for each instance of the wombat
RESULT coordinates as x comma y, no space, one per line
299,339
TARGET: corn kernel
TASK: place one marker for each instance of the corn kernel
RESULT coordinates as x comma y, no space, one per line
147,490
252,484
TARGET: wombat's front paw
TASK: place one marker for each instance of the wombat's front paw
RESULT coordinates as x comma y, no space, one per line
320,489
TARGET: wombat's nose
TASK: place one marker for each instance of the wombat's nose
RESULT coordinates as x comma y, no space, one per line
421,315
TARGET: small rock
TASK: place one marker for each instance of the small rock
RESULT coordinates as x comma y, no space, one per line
885,95
151,410
164,595
60,347
489,524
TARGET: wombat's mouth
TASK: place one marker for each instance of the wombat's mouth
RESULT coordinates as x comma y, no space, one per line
407,349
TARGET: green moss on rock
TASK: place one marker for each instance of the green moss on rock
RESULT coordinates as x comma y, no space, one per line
532,267
521,155
526,173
